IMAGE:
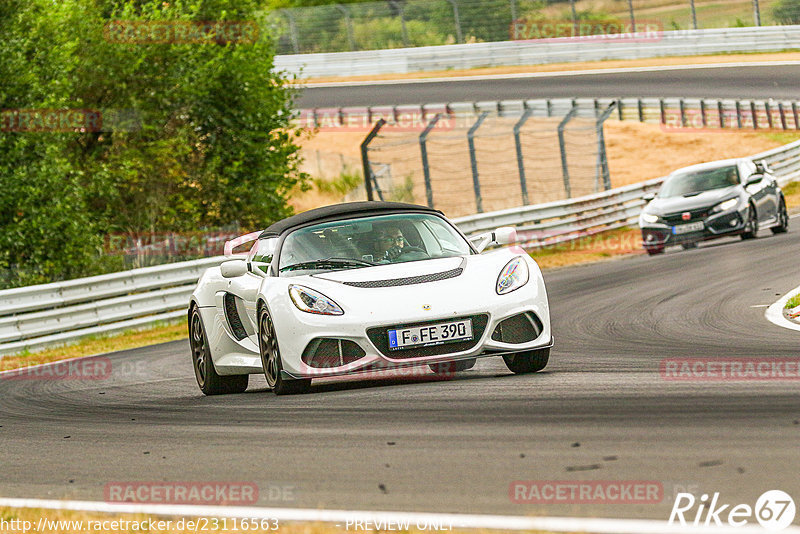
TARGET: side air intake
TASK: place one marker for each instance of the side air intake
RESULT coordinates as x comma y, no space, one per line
520,328
324,353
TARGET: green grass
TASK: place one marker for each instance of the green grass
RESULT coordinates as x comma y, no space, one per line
793,302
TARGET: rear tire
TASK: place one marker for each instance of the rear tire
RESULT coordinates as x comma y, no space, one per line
689,246
751,227
450,368
783,217
527,362
271,359
654,251
208,380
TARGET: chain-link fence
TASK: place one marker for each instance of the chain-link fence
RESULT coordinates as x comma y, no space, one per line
410,23
475,162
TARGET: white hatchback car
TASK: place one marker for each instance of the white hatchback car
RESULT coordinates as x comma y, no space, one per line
363,287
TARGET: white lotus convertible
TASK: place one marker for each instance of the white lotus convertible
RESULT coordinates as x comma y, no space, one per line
363,287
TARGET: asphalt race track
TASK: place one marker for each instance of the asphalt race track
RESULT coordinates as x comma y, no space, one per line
758,82
600,411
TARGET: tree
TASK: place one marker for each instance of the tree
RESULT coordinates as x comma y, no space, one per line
787,12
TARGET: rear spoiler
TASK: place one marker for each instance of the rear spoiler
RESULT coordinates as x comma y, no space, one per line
239,241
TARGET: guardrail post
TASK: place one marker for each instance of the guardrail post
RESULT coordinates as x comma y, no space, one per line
640,108
721,111
738,114
619,108
783,115
423,149
549,104
768,109
682,107
602,157
794,113
520,161
703,112
562,146
365,164
753,113
663,111
476,181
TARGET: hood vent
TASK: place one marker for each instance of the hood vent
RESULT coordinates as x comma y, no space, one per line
411,280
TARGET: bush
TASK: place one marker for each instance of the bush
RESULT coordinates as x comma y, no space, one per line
787,12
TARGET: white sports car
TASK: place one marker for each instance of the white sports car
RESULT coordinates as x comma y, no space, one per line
362,287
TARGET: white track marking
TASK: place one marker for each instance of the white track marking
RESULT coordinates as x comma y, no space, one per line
339,518
774,313
525,75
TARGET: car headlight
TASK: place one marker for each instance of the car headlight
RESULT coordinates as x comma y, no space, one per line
513,276
312,301
728,204
649,217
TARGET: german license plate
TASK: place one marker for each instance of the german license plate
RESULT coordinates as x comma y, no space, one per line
687,228
434,334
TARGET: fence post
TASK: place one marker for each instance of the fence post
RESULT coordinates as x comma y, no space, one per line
721,112
794,113
630,10
640,107
783,115
663,111
694,15
619,108
753,113
756,13
457,18
682,107
768,109
476,182
368,176
348,25
401,8
423,149
520,161
564,166
293,31
738,114
602,158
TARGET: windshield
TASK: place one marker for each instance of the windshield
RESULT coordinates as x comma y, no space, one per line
369,241
685,184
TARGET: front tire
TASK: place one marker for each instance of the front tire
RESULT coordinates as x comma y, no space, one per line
529,361
271,360
783,225
751,227
208,380
689,246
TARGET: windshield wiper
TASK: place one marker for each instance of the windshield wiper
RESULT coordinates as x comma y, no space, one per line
327,262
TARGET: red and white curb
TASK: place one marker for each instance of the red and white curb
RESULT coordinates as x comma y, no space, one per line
379,520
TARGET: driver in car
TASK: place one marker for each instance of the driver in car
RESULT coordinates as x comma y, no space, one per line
390,243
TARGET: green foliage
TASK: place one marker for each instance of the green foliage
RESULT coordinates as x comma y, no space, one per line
212,143
341,185
404,192
787,12
793,302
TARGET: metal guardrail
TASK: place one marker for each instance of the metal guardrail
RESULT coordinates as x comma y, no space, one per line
36,317
540,51
566,220
672,113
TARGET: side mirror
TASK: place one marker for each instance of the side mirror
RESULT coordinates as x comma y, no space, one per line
502,236
649,197
233,268
505,235
754,179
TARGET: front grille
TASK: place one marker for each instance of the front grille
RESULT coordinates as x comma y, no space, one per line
677,218
519,328
380,338
425,278
324,353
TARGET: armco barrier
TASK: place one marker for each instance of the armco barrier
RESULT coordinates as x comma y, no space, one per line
540,51
35,317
